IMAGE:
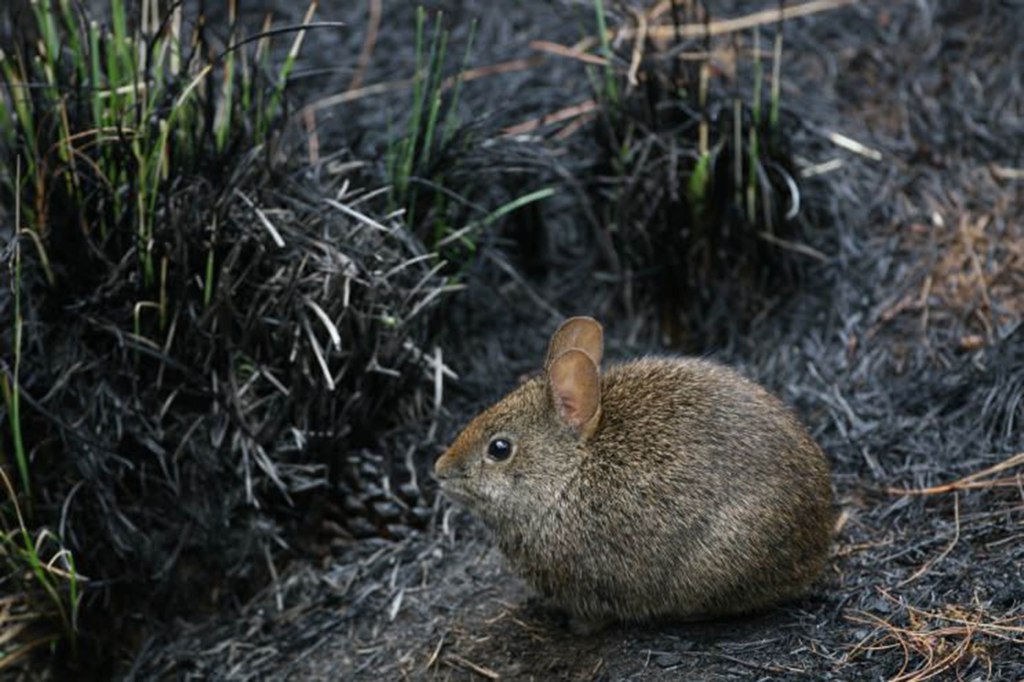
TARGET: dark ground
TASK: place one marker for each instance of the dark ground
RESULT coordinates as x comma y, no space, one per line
903,352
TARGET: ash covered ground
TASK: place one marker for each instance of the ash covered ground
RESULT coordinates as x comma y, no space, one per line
901,349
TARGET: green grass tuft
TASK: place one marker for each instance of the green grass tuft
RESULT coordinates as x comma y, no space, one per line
700,195
97,124
413,157
425,164
105,117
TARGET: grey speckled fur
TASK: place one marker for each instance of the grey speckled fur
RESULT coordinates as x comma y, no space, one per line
695,493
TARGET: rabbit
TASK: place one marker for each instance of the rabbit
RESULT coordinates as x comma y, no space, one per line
663,488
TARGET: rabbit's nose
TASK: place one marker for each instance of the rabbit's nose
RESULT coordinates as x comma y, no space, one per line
444,466
452,464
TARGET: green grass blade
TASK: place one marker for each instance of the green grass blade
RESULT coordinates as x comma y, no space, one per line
121,44
773,115
245,89
74,39
12,393
452,117
697,185
434,86
752,163
226,104
18,91
48,35
758,78
95,76
516,204
8,126
289,62
704,129
112,94
611,89
407,150
208,279
737,153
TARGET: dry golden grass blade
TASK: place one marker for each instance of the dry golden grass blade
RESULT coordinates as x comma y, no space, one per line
1007,173
638,47
457,661
369,43
511,66
9,632
578,52
973,481
8,660
436,652
972,291
935,643
556,117
725,26
386,87
16,639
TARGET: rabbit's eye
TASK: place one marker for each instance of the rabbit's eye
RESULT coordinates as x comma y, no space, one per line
499,449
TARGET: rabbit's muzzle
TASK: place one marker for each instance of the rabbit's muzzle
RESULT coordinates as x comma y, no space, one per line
452,473
447,467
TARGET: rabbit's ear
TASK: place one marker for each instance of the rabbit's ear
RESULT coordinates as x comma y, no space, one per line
581,333
576,390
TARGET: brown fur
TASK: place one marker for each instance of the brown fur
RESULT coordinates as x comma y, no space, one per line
696,493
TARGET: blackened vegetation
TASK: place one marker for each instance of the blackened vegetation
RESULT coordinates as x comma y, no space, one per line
900,346
179,451
700,202
902,351
181,418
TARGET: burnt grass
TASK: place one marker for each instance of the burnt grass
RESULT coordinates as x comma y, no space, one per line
895,333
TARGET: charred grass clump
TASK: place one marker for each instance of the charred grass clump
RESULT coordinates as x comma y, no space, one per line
700,197
193,338
440,177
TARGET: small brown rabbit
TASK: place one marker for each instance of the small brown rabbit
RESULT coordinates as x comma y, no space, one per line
667,487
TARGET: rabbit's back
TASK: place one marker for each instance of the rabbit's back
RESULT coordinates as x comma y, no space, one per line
701,421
